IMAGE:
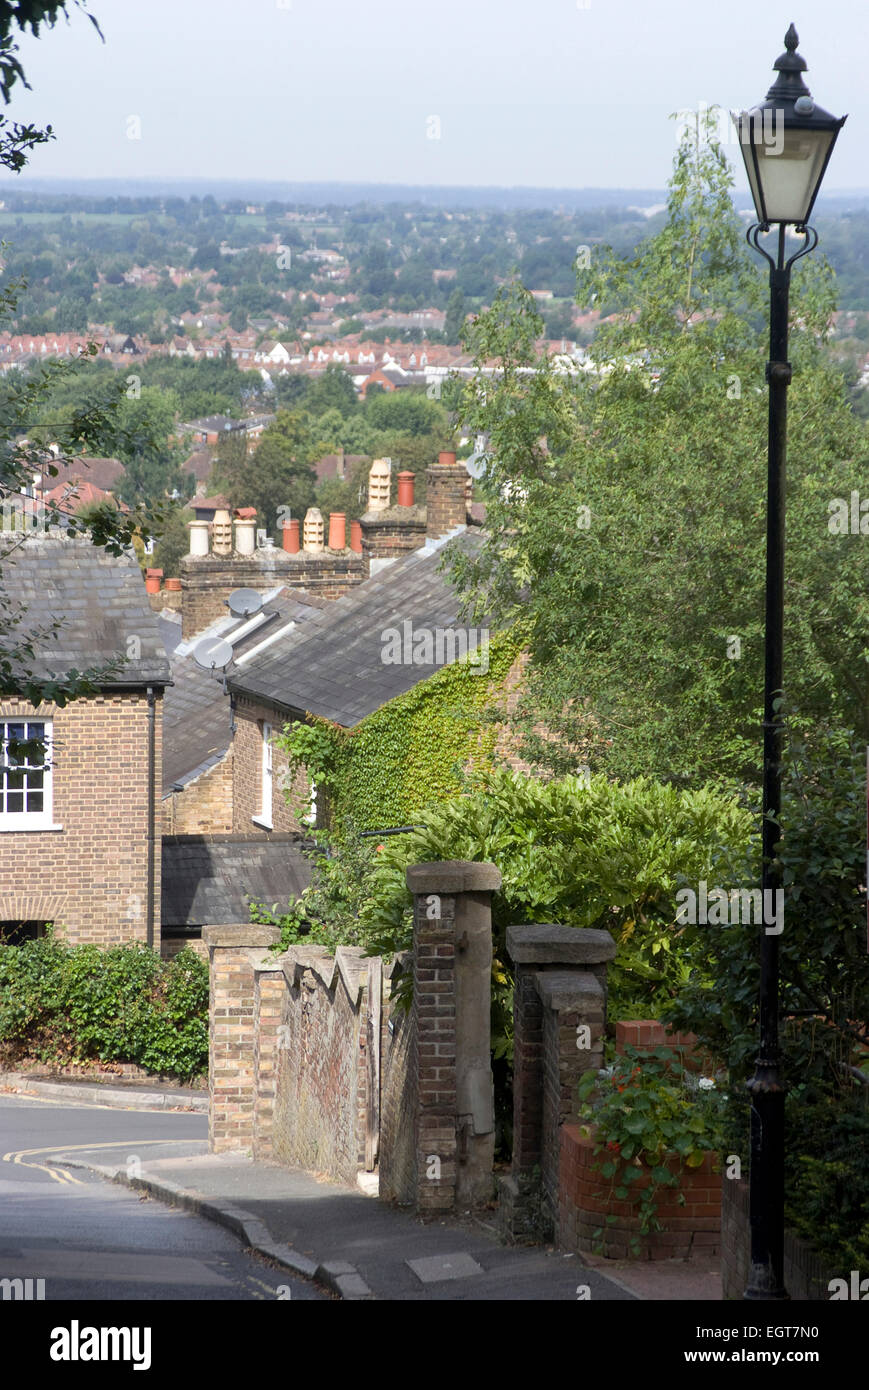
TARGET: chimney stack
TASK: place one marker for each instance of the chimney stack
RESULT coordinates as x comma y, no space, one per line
446,507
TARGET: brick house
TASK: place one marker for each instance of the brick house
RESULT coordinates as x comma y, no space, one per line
79,811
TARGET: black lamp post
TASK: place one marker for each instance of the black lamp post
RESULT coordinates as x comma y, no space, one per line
786,143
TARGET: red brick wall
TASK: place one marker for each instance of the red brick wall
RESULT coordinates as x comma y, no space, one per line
585,1201
648,1033
90,878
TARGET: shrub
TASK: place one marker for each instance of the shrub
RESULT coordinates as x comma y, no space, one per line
63,1004
595,854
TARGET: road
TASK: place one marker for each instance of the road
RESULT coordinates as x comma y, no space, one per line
92,1239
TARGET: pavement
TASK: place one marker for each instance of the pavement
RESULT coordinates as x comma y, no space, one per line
349,1241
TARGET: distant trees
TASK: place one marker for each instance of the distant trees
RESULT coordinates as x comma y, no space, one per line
280,472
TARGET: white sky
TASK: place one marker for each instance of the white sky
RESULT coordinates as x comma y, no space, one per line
549,94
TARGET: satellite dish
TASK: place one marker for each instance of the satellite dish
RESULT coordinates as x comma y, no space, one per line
245,602
212,653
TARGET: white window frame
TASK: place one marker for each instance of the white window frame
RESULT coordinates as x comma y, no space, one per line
28,820
266,780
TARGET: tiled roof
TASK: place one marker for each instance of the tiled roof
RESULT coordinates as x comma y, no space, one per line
101,601
209,880
195,710
333,666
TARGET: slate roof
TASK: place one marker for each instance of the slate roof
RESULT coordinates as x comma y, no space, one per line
100,599
208,880
195,710
333,666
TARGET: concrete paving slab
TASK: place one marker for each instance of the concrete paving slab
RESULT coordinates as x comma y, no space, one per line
433,1269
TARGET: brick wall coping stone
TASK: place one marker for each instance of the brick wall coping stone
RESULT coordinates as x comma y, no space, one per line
450,876
241,934
568,990
350,962
548,944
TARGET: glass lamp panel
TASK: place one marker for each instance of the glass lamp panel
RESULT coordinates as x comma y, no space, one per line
789,170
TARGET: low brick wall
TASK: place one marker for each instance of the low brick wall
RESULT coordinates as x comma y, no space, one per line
320,1085
646,1033
805,1275
585,1201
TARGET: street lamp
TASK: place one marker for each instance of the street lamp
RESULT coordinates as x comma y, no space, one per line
786,144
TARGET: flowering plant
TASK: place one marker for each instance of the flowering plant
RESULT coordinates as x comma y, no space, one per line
644,1110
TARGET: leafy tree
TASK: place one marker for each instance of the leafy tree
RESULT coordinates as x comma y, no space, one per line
626,506
280,472
333,389
408,411
174,541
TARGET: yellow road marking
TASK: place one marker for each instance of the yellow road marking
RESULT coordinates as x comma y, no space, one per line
62,1175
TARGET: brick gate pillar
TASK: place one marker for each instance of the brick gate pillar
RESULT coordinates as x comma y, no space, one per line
454,1121
233,953
559,1017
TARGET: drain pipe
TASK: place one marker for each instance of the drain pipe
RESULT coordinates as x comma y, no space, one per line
152,758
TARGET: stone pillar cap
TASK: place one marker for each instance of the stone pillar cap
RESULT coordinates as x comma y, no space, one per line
241,934
548,944
453,876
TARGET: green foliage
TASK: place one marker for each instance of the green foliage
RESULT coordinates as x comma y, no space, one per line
74,1004
827,1179
411,752
279,473
644,1110
328,911
605,855
823,960
631,609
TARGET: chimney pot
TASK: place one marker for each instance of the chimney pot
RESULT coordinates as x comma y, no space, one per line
406,482
379,479
290,537
312,530
222,535
356,536
337,530
244,532
198,537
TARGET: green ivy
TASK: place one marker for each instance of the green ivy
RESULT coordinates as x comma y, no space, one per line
411,752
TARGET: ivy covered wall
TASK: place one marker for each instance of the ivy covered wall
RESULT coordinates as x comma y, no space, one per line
412,751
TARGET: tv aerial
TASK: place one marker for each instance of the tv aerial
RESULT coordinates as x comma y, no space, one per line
244,603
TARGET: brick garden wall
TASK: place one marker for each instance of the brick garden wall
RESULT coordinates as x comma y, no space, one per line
585,1201
320,1086
90,877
